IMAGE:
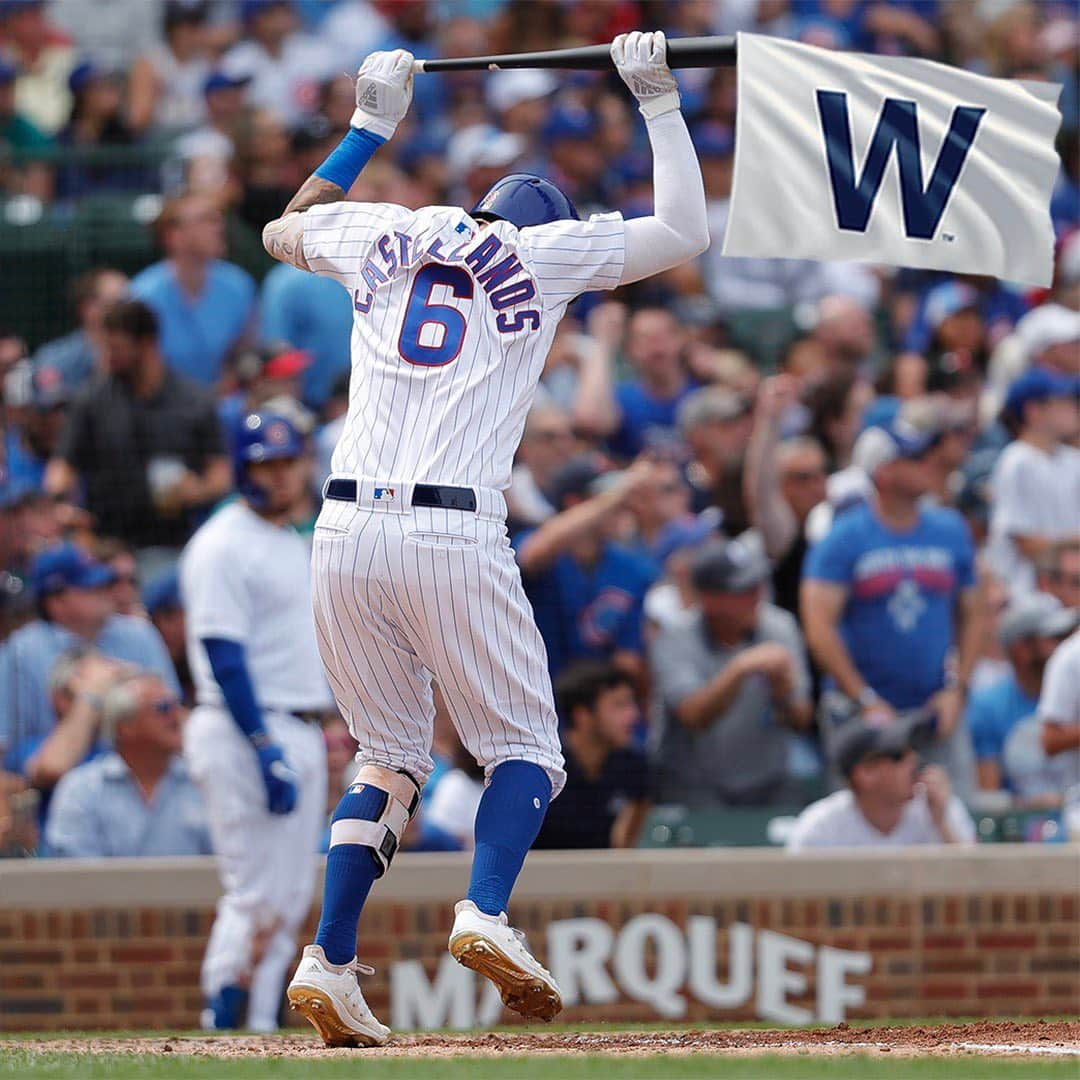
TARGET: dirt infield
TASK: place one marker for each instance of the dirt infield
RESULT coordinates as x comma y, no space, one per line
998,1037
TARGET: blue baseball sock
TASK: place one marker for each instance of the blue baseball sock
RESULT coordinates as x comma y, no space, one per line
351,870
511,812
229,1008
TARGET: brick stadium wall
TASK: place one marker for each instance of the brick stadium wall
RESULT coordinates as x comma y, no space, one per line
993,931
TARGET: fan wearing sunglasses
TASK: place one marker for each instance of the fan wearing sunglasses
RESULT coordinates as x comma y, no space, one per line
138,799
888,800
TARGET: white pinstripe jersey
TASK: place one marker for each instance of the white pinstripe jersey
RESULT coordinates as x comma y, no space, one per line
452,324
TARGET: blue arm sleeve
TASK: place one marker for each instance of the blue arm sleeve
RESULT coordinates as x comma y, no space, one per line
348,158
229,666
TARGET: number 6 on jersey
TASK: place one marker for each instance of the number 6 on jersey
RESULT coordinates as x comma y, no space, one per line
431,334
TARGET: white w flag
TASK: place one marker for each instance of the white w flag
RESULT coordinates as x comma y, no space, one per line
890,160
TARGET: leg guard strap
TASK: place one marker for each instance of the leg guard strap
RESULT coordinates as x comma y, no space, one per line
383,835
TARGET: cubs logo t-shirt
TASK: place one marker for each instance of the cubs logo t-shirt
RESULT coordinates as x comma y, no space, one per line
897,623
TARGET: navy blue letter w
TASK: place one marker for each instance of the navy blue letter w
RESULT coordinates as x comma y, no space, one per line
898,125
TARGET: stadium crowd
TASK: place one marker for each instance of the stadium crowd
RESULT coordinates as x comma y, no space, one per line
787,528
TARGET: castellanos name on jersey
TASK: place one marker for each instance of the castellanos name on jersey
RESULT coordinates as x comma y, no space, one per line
452,324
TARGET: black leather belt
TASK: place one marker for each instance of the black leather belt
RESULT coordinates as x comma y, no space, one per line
308,716
437,495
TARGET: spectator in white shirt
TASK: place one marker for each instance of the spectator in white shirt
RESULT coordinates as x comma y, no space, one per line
1059,710
1036,482
166,86
888,802
287,67
1048,336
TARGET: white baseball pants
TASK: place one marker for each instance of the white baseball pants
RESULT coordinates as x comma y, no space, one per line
406,594
266,862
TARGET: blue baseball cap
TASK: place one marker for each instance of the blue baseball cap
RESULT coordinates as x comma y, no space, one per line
1038,384
222,80
882,444
267,436
66,566
163,593
690,531
250,8
83,74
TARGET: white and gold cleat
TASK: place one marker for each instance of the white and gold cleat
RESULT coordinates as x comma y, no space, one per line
329,996
491,947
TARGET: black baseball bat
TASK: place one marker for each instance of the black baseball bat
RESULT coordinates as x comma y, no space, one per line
716,51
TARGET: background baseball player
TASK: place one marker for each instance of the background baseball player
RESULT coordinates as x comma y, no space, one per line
413,571
253,743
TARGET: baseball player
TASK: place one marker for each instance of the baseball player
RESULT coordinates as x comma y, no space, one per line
413,572
253,743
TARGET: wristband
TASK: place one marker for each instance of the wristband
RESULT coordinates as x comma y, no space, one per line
348,158
660,105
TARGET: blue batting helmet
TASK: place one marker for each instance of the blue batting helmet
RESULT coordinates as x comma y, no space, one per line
523,200
262,437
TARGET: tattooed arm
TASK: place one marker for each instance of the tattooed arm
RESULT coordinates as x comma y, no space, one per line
383,94
283,237
314,191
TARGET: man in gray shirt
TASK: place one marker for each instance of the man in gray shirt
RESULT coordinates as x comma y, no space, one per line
139,799
727,683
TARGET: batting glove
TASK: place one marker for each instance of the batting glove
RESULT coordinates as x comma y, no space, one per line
280,781
641,61
384,88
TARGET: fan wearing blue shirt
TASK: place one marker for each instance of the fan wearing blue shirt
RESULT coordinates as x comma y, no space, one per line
646,406
138,798
38,396
75,610
204,305
1031,628
313,314
78,355
586,590
888,602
